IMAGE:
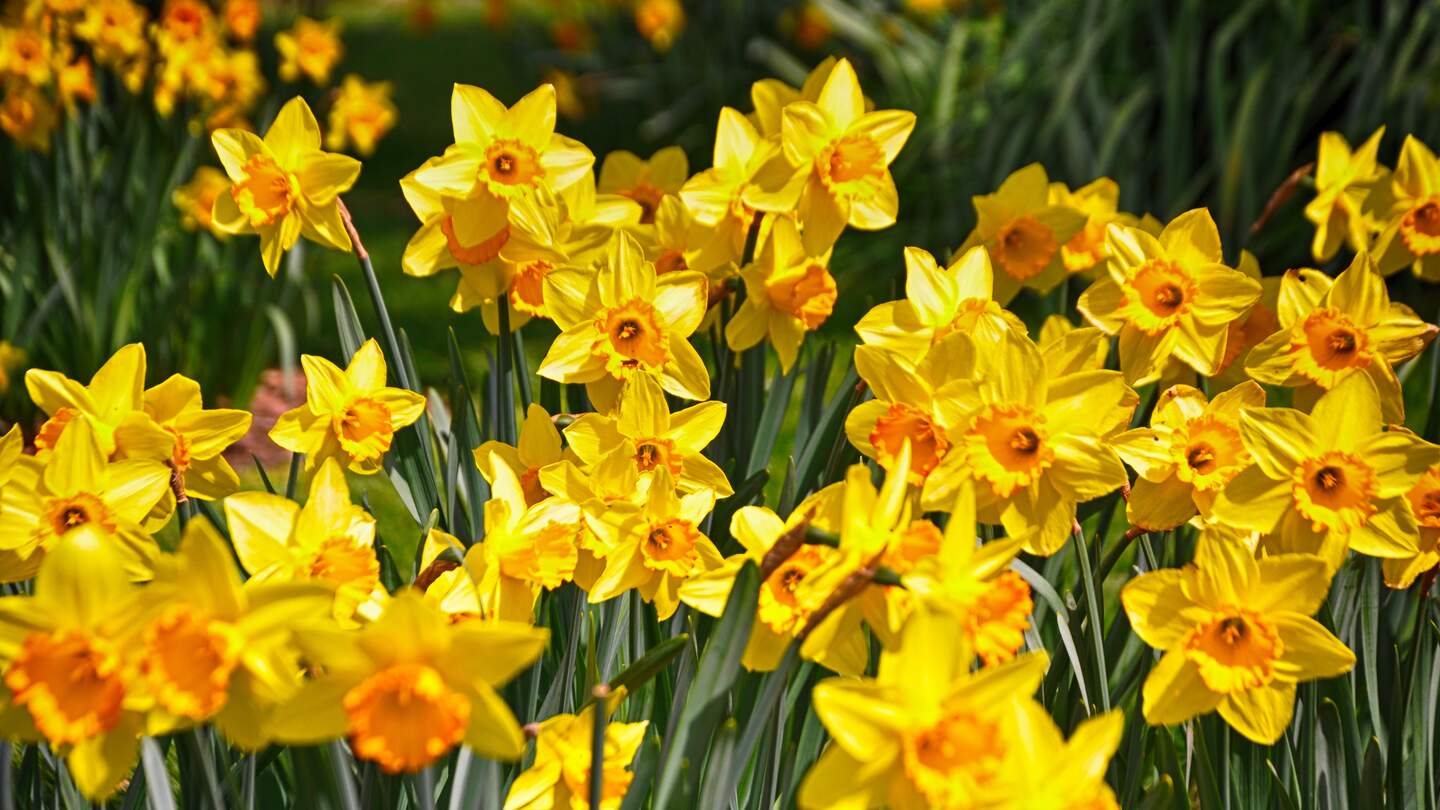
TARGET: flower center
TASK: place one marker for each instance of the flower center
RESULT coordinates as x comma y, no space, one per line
1235,651
808,296
1006,446
851,159
81,509
1328,345
508,164
780,608
364,429
1157,295
1086,248
915,542
1024,247
967,313
188,662
70,684
928,442
265,192
478,253
949,762
631,337
652,453
49,434
1420,228
649,197
1212,452
405,717
180,456
1335,491
669,546
998,617
341,561
671,261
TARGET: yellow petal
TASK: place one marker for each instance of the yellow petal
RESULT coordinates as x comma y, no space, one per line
1281,439
1174,691
1261,715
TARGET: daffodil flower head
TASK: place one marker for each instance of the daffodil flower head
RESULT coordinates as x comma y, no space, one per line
1424,502
1099,201
646,181
113,402
1023,233
788,292
1168,297
559,778
1191,450
349,414
310,48
538,446
409,686
1236,634
622,320
1344,180
1329,479
725,197
201,437
1330,330
284,186
526,549
1411,228
1050,771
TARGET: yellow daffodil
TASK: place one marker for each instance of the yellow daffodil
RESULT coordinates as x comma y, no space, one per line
112,402
613,479
559,778
310,48
12,358
1329,330
1168,297
1236,634
680,243
1099,201
721,198
508,153
771,96
1424,502
1329,479
77,486
621,320
196,199
925,732
1036,444
1411,227
1023,233
28,116
914,405
360,115
538,446
938,302
242,18
216,650
284,187
656,546
1343,182
26,55
1191,450
841,156
788,292
653,437
348,415
410,686
525,549
329,540
646,182
68,679
466,233
1048,771
201,437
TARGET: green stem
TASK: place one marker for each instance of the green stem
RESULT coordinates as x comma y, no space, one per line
597,747
372,283
1093,609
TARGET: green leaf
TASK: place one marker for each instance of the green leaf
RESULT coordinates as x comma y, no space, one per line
649,665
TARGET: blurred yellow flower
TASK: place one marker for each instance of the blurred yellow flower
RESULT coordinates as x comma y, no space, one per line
310,48
349,414
284,186
28,116
788,292
242,18
1343,184
196,199
1023,232
559,778
1237,636
660,22
26,56
12,357
360,115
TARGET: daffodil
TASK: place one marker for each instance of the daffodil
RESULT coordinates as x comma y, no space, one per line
1411,227
1343,182
722,197
621,320
1035,443
646,181
925,732
329,540
525,549
643,429
1099,201
1023,233
938,303
1330,330
656,545
841,156
284,186
505,152
12,358
771,96
680,243
1048,771
1236,634
458,232
1191,450
310,48
361,115
78,486
410,686
559,778
1168,297
1329,479
788,292
196,199
1069,349
914,405
348,415
113,403
216,650
538,446
201,437
614,479
1424,502
64,651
